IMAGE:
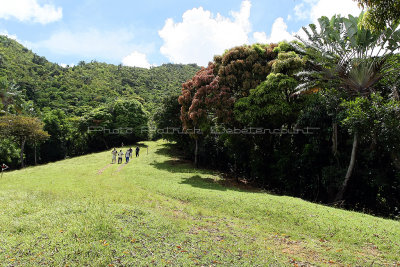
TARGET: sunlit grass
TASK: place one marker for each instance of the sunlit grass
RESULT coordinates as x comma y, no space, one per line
159,210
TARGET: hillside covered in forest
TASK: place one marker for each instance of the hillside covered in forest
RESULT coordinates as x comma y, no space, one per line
88,84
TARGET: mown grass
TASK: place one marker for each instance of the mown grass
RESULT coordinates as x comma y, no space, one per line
158,210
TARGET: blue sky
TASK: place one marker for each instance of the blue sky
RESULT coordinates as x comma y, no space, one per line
152,32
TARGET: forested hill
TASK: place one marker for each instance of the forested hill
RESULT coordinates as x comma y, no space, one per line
87,85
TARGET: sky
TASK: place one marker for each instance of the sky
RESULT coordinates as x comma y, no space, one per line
153,32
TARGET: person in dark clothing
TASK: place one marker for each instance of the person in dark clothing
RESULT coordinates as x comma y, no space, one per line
137,151
127,156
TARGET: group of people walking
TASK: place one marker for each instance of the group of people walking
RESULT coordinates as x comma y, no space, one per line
120,154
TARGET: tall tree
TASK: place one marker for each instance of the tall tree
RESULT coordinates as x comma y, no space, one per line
195,101
238,70
380,13
109,125
354,58
22,129
56,124
167,117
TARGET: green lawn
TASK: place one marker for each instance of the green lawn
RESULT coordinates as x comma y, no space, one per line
158,210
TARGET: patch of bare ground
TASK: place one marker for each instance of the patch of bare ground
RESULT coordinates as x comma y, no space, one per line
297,252
121,166
242,184
103,169
199,229
300,254
370,255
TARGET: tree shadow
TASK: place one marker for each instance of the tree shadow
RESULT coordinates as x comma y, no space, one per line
140,145
177,165
224,184
169,150
204,183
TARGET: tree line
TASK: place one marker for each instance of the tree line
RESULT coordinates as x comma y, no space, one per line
49,112
342,81
31,138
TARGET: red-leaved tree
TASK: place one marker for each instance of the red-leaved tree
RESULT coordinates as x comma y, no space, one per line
196,101
238,70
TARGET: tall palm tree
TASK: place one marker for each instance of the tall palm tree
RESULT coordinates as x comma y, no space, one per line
345,56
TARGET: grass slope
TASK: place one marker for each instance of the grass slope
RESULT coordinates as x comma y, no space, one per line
158,210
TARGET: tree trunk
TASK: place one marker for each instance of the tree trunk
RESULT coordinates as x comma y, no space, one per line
196,150
105,143
23,139
374,142
350,169
395,160
395,93
334,139
35,153
236,174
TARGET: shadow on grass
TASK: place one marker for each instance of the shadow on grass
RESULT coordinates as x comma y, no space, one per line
179,166
204,183
169,150
176,164
140,145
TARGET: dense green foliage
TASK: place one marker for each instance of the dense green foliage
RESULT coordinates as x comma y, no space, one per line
354,60
70,100
316,119
22,129
239,70
87,85
124,121
168,121
320,124
380,13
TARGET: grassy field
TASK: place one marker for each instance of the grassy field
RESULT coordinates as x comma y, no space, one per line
159,210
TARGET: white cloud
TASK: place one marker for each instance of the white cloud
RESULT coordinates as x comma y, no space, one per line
301,34
201,35
300,12
136,59
314,9
11,36
14,37
29,10
67,65
92,44
329,8
260,37
278,33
